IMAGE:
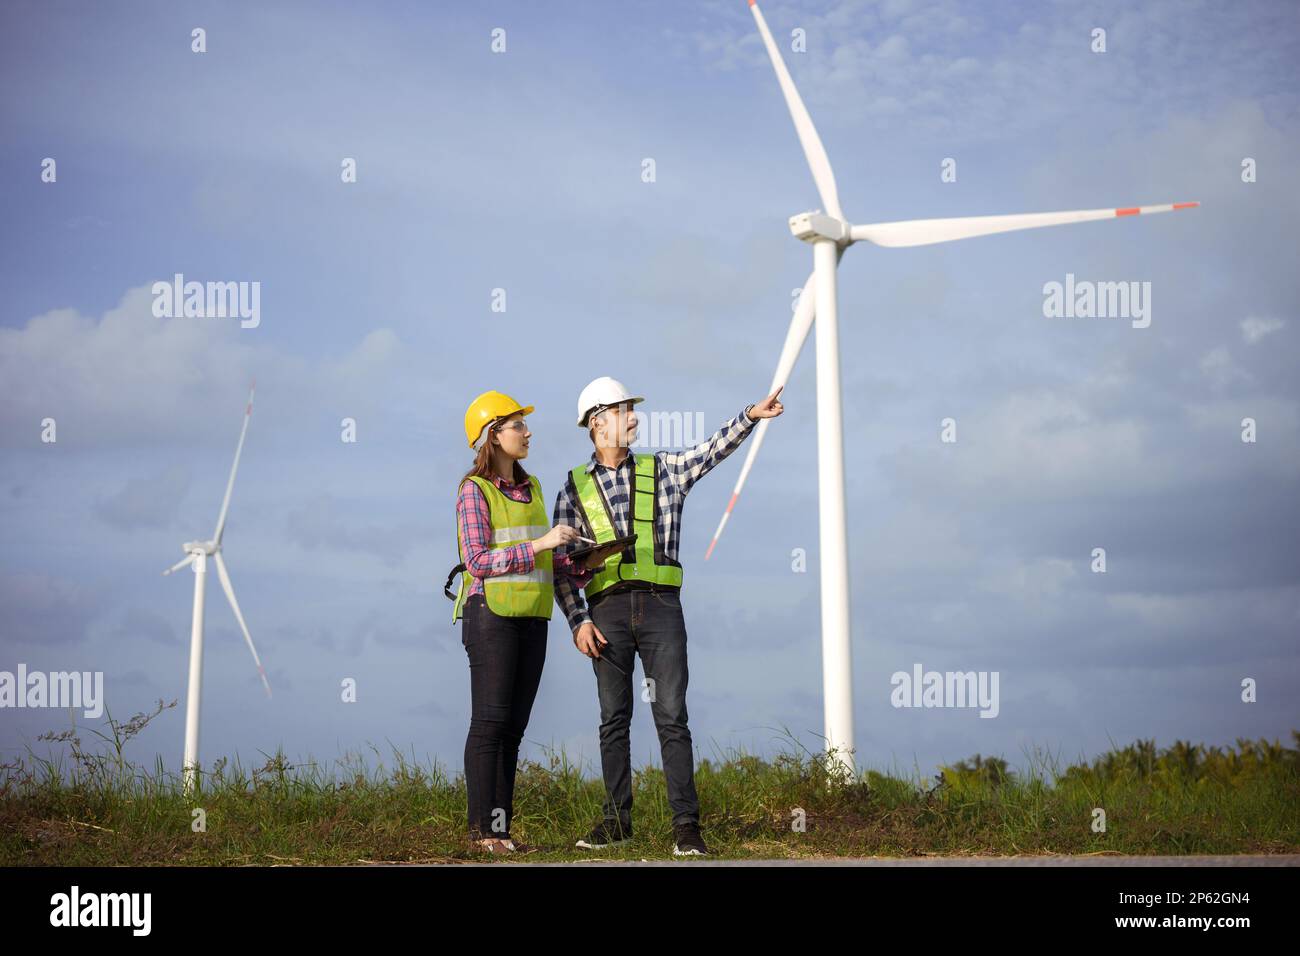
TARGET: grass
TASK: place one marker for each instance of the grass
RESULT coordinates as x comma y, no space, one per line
105,811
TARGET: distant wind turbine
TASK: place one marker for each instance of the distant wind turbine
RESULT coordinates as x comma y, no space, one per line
196,554
830,234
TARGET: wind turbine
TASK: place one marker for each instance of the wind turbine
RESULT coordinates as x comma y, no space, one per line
830,234
196,555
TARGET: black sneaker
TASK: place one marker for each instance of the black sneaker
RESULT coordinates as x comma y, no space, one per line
689,842
606,833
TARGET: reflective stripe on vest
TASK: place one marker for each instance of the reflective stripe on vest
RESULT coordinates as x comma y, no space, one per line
649,562
513,522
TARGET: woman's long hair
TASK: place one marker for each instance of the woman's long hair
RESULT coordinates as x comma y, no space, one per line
482,467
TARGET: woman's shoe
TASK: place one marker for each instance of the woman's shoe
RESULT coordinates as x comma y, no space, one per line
492,845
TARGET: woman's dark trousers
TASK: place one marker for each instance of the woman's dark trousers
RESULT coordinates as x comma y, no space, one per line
506,655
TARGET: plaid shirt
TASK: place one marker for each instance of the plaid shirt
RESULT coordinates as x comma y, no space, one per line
473,520
679,470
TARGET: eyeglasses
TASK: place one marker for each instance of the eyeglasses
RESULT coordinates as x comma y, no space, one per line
519,425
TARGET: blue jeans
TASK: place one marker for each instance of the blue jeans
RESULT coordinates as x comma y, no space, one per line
506,655
649,623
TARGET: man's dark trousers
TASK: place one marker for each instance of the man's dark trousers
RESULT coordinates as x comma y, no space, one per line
649,623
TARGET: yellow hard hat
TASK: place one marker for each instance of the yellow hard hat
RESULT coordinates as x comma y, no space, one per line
486,409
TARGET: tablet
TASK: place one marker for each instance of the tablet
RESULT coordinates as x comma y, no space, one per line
607,550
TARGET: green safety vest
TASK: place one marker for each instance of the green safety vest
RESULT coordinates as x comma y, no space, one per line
646,560
512,595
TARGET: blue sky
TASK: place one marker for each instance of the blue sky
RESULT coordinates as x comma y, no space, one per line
522,171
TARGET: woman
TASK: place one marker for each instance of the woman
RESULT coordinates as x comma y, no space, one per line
506,595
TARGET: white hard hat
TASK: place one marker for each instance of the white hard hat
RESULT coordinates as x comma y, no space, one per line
603,391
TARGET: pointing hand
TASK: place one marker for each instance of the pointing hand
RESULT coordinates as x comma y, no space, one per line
769,407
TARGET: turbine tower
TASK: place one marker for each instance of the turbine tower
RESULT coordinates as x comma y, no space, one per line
196,555
829,233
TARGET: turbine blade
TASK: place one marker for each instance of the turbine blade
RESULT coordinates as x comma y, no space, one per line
234,606
813,149
794,339
230,485
924,232
180,564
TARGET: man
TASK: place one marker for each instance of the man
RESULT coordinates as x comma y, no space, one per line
633,604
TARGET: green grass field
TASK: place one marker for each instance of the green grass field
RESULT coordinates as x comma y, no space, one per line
97,809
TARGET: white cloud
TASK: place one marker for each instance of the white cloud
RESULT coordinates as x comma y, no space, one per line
1253,329
128,376
1038,444
996,78
1218,366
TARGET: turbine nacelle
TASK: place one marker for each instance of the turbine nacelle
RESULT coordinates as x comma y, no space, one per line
206,547
816,225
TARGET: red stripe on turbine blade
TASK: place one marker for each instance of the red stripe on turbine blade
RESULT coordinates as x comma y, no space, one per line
1132,211
710,551
1186,205
732,503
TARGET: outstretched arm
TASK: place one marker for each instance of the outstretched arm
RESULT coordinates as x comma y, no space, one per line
688,467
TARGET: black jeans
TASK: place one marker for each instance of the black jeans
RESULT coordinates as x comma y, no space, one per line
506,655
649,623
